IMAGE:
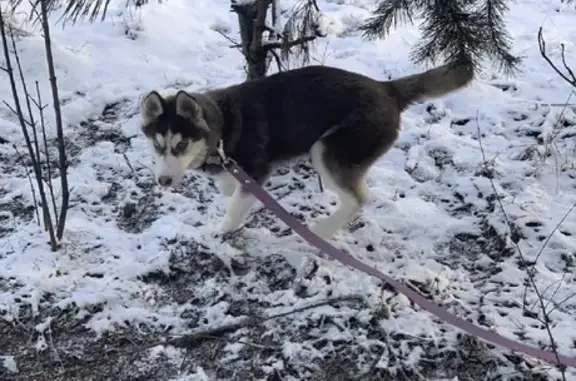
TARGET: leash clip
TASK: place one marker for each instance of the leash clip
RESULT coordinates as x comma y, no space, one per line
225,161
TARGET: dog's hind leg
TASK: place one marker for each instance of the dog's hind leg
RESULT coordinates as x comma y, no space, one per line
342,160
348,185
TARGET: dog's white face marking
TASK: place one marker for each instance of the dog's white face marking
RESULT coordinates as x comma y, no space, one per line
173,154
159,142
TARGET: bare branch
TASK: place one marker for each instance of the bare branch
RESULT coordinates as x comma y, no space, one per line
38,104
288,44
547,240
259,40
186,341
31,120
557,305
278,60
551,299
569,77
55,230
58,116
20,114
568,69
234,42
10,108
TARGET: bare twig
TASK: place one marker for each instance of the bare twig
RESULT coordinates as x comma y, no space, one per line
546,320
557,305
557,128
568,69
31,120
186,341
58,116
278,60
41,108
235,43
569,76
557,104
288,44
128,163
549,237
560,283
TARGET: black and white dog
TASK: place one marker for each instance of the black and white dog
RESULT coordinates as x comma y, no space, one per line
344,120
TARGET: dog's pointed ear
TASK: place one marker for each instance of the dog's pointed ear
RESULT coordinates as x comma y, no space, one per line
152,106
186,105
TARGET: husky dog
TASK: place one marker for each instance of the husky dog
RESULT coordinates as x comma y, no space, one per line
344,120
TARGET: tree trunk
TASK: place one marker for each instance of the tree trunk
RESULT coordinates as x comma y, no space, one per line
251,19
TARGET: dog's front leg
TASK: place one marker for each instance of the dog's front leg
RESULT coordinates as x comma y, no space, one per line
239,205
225,184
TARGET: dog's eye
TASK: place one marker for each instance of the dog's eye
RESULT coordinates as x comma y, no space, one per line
182,145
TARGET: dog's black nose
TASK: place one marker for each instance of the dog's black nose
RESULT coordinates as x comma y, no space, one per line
165,181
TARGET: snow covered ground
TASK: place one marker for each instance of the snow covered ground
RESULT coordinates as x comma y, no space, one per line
139,263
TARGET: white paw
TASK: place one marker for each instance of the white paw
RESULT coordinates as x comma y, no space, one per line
225,187
324,229
228,225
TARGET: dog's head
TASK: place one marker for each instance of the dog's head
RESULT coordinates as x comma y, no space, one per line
178,131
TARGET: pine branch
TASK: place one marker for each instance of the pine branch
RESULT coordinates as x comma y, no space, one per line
498,42
459,31
450,30
390,14
75,10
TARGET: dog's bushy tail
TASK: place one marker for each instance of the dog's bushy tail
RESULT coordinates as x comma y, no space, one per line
432,83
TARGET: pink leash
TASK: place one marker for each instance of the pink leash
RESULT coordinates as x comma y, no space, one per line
351,261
